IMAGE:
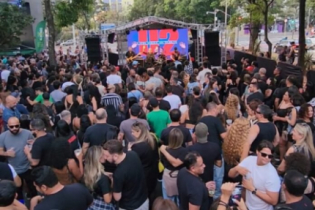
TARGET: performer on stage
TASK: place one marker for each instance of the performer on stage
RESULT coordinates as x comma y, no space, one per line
130,55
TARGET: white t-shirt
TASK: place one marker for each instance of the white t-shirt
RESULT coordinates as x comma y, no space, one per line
265,178
201,75
65,85
5,75
113,79
14,174
174,101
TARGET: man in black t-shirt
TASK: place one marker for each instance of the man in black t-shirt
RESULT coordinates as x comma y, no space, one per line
294,185
57,196
209,151
193,192
175,115
255,94
163,104
39,154
129,179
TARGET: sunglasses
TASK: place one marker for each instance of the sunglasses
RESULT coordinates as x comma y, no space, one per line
14,126
266,155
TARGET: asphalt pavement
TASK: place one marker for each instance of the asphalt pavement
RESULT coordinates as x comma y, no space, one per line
243,40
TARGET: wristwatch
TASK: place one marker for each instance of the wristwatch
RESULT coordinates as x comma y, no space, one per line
254,191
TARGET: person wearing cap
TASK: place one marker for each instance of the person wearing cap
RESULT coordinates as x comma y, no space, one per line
113,78
125,126
209,151
158,119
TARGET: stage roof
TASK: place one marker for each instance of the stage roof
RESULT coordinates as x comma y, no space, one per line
152,20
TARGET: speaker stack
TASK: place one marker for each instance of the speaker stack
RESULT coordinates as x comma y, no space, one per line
213,49
94,51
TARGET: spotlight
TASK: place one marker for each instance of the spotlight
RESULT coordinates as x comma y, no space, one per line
174,29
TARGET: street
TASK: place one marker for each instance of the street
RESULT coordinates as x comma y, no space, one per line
243,40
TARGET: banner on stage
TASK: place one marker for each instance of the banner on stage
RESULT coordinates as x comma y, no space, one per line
158,41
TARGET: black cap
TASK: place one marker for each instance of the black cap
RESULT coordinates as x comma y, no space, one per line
153,102
135,110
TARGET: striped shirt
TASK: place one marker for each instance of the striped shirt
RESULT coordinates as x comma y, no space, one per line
112,99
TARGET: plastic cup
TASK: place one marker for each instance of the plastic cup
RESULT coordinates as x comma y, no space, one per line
229,121
77,152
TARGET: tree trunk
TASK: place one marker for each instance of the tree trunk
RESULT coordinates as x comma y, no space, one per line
51,34
302,35
266,28
254,30
86,20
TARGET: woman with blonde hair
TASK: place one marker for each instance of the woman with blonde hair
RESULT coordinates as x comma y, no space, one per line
234,141
173,157
145,146
303,137
96,181
231,109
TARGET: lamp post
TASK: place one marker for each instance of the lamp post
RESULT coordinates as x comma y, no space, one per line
215,16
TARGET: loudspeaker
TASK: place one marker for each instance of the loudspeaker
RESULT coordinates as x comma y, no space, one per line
214,55
212,39
93,45
111,38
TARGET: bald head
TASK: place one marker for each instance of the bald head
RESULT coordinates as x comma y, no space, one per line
101,114
13,120
14,125
10,101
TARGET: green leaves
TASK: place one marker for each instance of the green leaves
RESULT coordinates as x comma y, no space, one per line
13,21
184,10
67,13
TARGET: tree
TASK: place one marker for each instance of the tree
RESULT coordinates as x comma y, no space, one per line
302,45
13,22
68,13
265,11
51,31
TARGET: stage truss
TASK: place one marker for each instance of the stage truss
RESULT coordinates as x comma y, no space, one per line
141,23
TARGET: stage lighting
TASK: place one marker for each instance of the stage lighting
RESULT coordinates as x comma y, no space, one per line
174,29
127,32
138,28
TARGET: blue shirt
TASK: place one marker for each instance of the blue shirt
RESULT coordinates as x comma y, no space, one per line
7,113
22,109
137,94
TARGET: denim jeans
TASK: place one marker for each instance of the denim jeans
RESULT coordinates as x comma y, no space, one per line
175,198
218,173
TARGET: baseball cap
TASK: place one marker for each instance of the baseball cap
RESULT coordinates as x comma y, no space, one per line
153,102
201,132
135,63
15,94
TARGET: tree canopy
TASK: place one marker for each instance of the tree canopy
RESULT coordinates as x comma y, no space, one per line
13,22
184,10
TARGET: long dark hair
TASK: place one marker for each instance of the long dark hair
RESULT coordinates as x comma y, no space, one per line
63,129
60,153
195,112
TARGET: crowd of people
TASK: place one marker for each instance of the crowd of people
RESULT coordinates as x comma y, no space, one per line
168,137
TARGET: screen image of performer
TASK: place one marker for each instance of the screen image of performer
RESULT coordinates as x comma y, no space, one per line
175,54
150,59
